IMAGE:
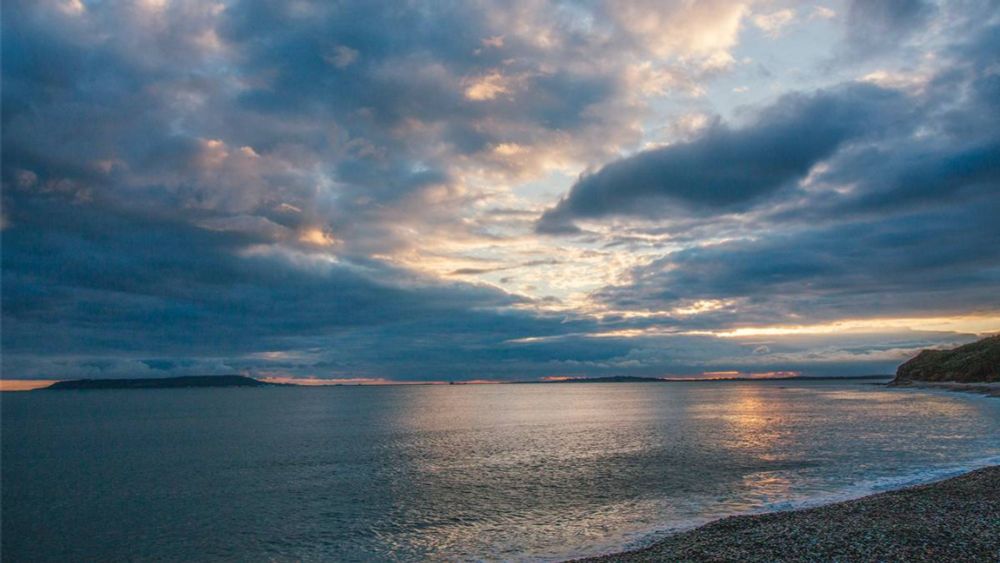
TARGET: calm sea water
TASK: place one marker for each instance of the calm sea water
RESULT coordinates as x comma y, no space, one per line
460,472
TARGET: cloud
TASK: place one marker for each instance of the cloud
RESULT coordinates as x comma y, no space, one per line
728,168
120,286
887,29
341,56
688,29
871,21
868,232
910,265
303,189
823,12
772,24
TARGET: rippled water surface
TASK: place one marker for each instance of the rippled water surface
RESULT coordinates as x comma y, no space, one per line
466,472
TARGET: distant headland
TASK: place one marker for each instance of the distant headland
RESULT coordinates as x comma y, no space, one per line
978,362
161,382
973,368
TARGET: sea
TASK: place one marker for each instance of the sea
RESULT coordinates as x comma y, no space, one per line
458,472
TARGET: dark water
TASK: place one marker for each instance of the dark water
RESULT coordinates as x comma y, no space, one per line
461,472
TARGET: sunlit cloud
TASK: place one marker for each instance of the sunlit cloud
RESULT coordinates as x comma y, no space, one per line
72,7
773,23
317,237
683,29
913,82
487,87
823,12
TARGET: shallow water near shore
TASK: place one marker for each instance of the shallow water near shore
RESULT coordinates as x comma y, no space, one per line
465,472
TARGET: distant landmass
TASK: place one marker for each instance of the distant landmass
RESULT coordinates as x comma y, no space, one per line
634,379
978,362
787,378
606,379
161,382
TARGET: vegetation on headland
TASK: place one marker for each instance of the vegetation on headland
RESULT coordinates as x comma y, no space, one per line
978,362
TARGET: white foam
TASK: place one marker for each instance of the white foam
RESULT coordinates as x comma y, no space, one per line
851,492
884,484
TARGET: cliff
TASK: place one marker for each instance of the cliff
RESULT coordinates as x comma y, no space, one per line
978,362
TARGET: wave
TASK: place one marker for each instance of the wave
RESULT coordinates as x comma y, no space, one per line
851,492
884,484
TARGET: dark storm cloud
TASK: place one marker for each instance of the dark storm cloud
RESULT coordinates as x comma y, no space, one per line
727,168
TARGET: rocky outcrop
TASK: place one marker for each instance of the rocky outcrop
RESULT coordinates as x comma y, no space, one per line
978,362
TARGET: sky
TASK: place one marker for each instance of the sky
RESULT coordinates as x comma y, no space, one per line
430,191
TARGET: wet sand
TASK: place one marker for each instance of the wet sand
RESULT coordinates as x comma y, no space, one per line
953,520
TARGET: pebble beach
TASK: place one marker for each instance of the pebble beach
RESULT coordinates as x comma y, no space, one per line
953,520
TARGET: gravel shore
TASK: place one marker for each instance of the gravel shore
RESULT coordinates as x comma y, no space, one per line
953,520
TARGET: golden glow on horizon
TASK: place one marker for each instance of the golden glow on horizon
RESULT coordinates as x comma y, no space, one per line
968,324
976,324
25,384
734,374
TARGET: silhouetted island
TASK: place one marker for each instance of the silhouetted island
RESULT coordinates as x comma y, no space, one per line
161,382
978,362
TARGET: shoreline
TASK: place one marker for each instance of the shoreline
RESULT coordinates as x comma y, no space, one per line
953,519
988,389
